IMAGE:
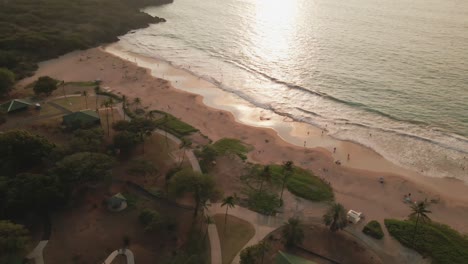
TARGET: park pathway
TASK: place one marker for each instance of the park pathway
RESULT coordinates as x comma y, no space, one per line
37,253
123,251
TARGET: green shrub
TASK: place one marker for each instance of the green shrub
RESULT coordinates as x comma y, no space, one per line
151,220
303,183
263,202
443,244
373,229
231,146
174,125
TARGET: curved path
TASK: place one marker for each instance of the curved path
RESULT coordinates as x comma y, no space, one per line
123,251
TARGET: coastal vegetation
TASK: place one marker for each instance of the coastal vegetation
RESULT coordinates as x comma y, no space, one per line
32,31
293,233
7,79
335,217
440,242
373,229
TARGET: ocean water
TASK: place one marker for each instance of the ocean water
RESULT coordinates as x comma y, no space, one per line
388,74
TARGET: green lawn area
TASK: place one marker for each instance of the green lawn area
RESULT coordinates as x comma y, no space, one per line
231,146
76,103
303,183
440,242
236,234
173,125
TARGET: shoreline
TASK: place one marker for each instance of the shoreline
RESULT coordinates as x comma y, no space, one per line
355,183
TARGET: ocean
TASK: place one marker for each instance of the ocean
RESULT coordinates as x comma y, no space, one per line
388,74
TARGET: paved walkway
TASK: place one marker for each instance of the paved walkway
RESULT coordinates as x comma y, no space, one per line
262,224
37,253
123,251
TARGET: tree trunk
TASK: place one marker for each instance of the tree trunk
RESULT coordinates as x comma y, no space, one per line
225,218
107,118
282,189
415,229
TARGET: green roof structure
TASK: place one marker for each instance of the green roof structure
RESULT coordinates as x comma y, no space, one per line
85,117
14,105
285,258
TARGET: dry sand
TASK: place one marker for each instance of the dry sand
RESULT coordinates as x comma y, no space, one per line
355,182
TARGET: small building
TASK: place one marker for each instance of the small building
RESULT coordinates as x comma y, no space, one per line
14,105
117,203
285,258
85,118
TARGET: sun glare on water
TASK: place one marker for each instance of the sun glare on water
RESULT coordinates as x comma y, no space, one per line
274,28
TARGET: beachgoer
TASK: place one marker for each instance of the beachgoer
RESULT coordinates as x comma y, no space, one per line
308,132
305,143
322,132
381,180
334,150
348,156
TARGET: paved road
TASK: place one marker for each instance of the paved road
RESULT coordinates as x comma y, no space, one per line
123,251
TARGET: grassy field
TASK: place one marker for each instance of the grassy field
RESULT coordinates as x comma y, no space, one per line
173,125
76,103
303,183
236,234
231,146
443,244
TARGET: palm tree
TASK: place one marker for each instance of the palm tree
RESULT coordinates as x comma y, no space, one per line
106,104
229,202
124,105
183,146
111,105
265,176
97,89
208,220
85,94
335,217
136,102
287,170
263,247
419,211
293,232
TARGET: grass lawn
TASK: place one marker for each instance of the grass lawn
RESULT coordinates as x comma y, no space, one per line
174,126
236,234
303,183
231,146
443,244
76,103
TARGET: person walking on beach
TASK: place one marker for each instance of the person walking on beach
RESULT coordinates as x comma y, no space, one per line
348,156
334,150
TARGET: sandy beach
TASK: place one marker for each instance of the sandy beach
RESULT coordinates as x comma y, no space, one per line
274,138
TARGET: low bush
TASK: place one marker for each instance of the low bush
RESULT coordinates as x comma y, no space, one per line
150,219
263,202
440,242
303,183
373,229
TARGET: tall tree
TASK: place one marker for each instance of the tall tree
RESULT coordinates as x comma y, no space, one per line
229,202
13,237
83,167
124,105
265,176
45,85
293,233
202,186
335,217
419,212
21,150
85,94
97,90
106,104
7,80
287,170
136,102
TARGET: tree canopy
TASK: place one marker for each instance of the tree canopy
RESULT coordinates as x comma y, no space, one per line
201,185
13,237
87,140
84,167
30,192
7,79
31,31
21,150
45,85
